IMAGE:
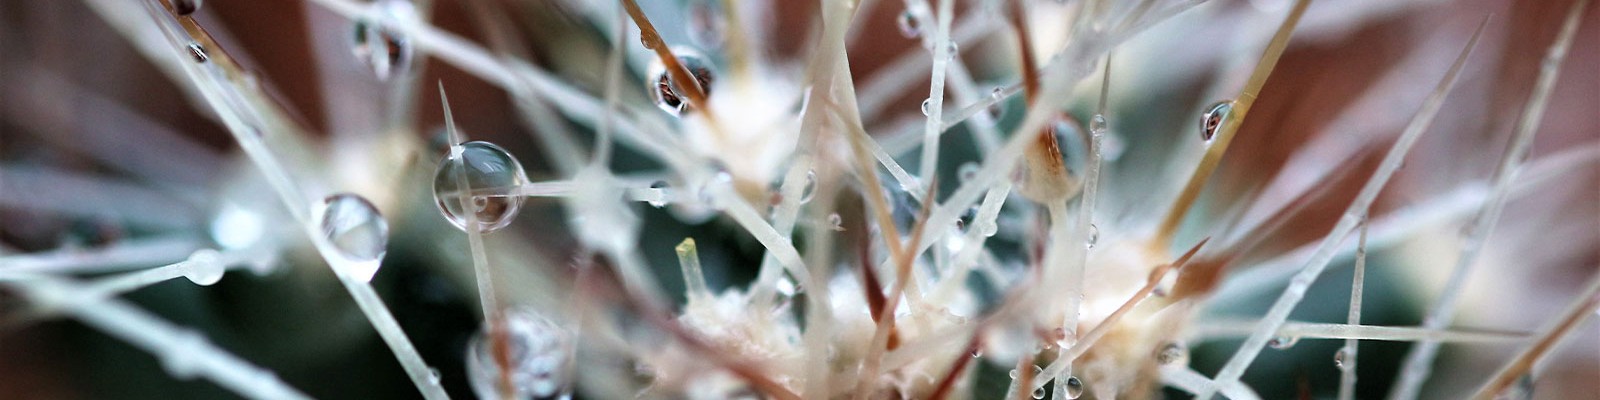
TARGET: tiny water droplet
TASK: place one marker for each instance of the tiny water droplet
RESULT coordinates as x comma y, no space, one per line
1283,342
659,190
810,190
997,107
1038,392
1037,370
537,352
487,167
669,95
951,50
1098,125
967,171
1173,353
1093,236
908,24
706,23
198,53
204,267
836,221
927,106
1013,373
1214,117
1074,387
1339,357
381,47
186,7
355,229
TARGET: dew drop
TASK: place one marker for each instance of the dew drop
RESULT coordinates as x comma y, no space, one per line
1339,357
967,171
836,221
997,99
707,25
1213,119
1283,342
204,267
810,189
1173,353
1098,125
1093,236
908,25
666,93
353,227
659,191
486,167
1038,393
927,106
198,53
1013,374
383,48
950,50
1074,387
722,180
186,7
536,350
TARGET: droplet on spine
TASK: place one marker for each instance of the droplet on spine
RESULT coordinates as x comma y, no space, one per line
669,95
486,168
356,231
1214,117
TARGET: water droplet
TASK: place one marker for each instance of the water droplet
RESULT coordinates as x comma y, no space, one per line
537,351
1214,117
1340,356
659,191
433,375
1013,374
668,95
355,229
198,53
1037,370
487,168
1173,353
204,267
908,25
186,7
951,50
380,46
1522,389
1038,392
810,190
967,171
927,106
1283,342
1093,236
1074,387
836,221
997,106
706,23
1098,125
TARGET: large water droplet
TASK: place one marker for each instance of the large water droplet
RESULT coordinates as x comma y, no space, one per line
204,267
383,48
669,95
1074,387
706,23
1214,117
908,24
491,172
536,350
1283,342
1173,353
186,7
356,231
